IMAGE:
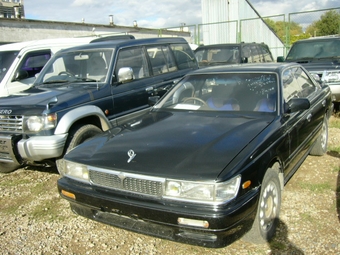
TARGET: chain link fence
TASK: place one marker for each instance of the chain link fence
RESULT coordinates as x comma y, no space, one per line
298,25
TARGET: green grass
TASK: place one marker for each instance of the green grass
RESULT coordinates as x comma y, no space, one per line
316,187
335,123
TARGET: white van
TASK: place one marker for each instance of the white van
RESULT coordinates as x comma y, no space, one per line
20,62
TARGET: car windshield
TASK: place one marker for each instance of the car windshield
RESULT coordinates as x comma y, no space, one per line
215,56
82,66
6,60
315,49
224,92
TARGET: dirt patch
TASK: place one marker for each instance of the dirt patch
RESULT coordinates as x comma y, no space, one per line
35,220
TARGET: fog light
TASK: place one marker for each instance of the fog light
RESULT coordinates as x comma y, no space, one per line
68,194
193,223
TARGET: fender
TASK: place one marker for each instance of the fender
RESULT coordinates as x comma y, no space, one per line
74,115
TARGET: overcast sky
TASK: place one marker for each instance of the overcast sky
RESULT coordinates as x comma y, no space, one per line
152,13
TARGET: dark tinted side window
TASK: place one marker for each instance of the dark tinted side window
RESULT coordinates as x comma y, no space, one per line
255,54
33,63
184,56
161,59
267,56
134,58
296,83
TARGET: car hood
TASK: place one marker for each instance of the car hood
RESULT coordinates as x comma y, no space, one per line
173,145
35,99
319,65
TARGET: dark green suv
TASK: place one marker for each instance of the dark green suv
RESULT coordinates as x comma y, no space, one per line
233,53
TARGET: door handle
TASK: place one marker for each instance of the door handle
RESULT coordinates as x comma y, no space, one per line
309,117
323,103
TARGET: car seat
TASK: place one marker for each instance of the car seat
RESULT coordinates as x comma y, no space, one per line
265,105
97,68
221,100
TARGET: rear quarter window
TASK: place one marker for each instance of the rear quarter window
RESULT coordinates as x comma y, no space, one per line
184,56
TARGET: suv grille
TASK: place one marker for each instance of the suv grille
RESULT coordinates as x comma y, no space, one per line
11,123
119,181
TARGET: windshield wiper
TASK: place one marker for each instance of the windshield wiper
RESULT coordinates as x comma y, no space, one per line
86,80
55,81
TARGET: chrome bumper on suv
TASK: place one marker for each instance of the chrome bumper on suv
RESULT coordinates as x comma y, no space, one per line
35,148
38,148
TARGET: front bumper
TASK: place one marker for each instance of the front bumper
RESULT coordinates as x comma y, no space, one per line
159,218
335,88
38,148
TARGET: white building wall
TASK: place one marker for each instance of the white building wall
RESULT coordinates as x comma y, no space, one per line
233,21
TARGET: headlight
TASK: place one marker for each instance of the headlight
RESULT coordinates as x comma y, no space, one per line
38,123
202,191
331,76
75,171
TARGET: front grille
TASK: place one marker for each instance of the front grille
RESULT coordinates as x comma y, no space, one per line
120,181
11,123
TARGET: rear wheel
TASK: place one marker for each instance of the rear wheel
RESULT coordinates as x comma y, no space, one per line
77,136
268,210
320,146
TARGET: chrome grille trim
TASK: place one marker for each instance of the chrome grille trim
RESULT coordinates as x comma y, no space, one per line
118,180
11,123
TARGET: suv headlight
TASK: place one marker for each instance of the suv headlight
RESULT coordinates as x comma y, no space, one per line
202,191
38,123
331,76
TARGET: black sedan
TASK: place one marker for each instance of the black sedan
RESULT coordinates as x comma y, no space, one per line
208,162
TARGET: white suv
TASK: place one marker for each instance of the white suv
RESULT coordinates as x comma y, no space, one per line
20,62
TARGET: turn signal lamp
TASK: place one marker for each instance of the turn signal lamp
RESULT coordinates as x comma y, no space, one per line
193,223
246,184
68,194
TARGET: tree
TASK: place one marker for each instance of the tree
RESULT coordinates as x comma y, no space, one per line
281,28
329,23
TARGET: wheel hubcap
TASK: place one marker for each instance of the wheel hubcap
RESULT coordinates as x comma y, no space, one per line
324,136
268,206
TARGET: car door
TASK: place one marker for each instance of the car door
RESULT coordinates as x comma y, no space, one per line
131,95
300,126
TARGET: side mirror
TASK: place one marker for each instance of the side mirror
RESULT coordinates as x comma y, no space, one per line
153,100
20,75
125,74
297,104
280,59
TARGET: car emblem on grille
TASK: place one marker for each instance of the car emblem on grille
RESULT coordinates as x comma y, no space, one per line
131,155
5,111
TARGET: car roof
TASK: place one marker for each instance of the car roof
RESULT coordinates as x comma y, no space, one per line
44,42
124,43
321,38
252,67
226,45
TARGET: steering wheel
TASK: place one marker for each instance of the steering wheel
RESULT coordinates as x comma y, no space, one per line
66,73
194,99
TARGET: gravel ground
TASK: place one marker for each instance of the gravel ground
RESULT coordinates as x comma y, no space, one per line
35,220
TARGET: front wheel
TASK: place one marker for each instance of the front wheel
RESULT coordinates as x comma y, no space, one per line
77,136
268,210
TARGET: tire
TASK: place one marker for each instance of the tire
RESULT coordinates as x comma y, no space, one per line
268,210
77,136
320,146
8,167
